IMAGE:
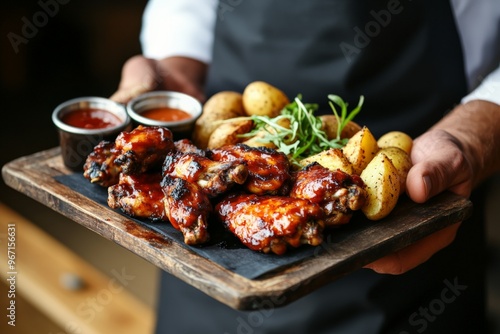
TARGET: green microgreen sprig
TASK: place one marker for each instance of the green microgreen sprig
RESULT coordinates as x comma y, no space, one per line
304,135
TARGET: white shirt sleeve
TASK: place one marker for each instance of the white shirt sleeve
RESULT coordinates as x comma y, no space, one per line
476,22
179,28
488,90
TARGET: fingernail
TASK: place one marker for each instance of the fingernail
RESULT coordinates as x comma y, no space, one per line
427,186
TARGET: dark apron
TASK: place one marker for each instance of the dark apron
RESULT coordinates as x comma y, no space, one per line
405,58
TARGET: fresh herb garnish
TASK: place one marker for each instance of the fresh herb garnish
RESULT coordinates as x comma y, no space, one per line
297,132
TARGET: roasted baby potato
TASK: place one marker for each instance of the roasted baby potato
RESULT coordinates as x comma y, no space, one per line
396,139
401,160
227,133
263,99
382,186
330,126
221,106
360,149
332,159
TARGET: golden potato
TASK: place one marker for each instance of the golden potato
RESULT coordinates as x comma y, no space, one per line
263,99
220,106
330,126
360,149
227,133
332,159
382,186
401,160
396,139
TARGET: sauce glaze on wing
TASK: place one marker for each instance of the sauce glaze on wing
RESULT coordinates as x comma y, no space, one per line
339,194
268,169
271,223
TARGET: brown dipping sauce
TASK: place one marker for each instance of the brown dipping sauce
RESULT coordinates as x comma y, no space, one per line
166,114
91,118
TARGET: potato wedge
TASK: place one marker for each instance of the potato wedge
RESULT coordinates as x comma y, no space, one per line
396,139
330,126
332,159
227,133
360,149
401,160
382,186
263,99
220,106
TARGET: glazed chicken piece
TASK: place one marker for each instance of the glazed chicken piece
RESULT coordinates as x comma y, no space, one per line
100,167
143,149
268,169
187,208
271,223
338,193
213,177
138,195
187,146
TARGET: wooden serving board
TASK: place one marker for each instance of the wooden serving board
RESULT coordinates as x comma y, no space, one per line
35,175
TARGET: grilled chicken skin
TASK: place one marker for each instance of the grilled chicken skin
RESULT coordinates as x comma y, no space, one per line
213,177
187,208
338,193
187,146
100,167
143,149
138,196
271,223
268,170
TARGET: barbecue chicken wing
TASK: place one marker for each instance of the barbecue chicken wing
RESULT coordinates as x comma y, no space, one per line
143,149
100,167
213,177
271,223
138,195
187,146
268,169
338,193
187,208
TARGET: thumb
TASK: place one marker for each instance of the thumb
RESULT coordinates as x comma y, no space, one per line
125,94
139,75
439,164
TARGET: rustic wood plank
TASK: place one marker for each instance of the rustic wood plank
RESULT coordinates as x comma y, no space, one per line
33,176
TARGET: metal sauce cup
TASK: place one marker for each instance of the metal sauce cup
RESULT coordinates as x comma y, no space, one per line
166,99
76,142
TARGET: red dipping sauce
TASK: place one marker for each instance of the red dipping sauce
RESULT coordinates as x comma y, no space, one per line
166,114
91,118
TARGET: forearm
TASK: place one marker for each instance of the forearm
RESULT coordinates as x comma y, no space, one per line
193,70
476,125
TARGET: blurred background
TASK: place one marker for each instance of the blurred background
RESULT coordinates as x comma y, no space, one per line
77,48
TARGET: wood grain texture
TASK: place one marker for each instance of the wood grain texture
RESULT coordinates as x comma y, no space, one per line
34,176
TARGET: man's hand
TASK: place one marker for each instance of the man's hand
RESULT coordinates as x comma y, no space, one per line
438,164
456,154
140,75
